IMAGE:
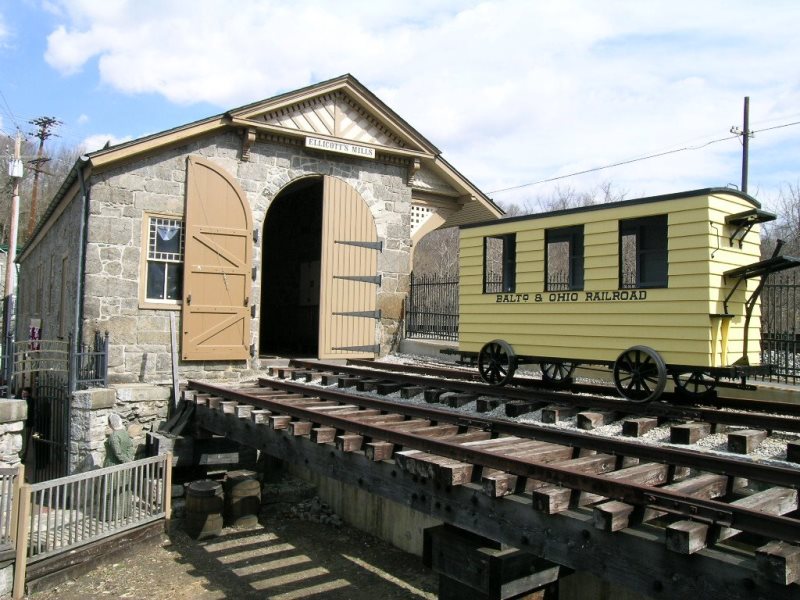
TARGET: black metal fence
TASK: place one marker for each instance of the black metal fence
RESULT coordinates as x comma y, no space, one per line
432,313
45,373
432,310
780,331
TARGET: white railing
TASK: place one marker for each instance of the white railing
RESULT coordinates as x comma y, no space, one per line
10,480
58,515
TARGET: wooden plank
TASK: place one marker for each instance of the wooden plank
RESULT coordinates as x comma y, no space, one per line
410,391
688,433
793,452
638,427
323,435
349,442
745,441
300,427
614,516
379,450
593,419
554,413
687,537
779,562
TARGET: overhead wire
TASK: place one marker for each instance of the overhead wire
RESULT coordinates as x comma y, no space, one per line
638,159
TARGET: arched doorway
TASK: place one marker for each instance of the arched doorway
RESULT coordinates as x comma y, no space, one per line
291,253
319,272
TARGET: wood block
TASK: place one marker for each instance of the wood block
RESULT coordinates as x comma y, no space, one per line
438,431
485,404
409,391
379,450
347,381
688,433
744,442
476,567
551,499
499,484
432,396
458,400
329,378
779,562
410,425
612,515
638,427
323,435
554,413
214,402
349,442
243,411
279,422
260,415
589,420
300,427
302,375
367,385
387,387
774,501
686,537
793,452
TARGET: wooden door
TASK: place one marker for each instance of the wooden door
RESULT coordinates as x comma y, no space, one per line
349,274
217,259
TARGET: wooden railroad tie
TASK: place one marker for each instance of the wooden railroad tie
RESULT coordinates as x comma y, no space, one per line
688,433
687,537
744,442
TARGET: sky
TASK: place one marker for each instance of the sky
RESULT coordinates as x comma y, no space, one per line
516,94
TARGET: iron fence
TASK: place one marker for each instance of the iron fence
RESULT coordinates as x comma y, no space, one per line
83,366
432,310
780,326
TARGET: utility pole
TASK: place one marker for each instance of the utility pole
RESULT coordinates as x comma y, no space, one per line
746,135
15,172
44,124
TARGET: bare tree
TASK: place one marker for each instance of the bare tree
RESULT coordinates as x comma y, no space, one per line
787,225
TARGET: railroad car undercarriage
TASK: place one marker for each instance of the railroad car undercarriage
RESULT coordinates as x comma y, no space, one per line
640,374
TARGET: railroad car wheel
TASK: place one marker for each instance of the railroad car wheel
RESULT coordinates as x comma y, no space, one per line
695,384
640,374
556,373
497,363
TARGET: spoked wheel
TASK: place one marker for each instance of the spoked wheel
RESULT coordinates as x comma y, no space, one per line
557,373
497,363
640,374
695,384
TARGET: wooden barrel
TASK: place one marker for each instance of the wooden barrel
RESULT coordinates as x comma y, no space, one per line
242,498
204,504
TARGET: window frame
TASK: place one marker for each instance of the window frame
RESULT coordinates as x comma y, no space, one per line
155,303
508,263
654,229
573,235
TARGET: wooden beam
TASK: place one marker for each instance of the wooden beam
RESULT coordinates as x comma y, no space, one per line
635,558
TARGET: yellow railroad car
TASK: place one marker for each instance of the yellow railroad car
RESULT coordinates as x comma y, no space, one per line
653,287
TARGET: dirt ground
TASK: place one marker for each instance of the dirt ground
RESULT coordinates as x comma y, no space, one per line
281,559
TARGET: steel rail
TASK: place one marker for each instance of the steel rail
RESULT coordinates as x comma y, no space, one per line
755,420
582,388
709,511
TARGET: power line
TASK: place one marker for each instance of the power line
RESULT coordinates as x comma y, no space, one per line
638,159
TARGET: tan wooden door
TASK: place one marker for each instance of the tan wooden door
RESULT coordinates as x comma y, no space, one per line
349,274
217,259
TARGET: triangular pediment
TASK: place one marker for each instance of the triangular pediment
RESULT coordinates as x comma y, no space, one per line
336,115
340,108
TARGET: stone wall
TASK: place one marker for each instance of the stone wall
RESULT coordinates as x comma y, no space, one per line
53,261
12,424
140,338
142,408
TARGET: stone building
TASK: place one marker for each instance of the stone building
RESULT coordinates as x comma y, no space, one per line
284,227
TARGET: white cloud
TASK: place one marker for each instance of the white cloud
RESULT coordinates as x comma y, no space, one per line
513,91
83,119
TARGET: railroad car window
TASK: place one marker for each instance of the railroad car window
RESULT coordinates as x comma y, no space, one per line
499,263
164,259
564,256
643,252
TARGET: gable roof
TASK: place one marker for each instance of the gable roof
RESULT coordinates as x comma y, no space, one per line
338,109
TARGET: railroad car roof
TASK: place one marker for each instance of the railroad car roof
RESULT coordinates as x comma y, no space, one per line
649,199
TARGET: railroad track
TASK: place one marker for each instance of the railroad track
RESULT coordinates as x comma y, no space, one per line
699,499
587,410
